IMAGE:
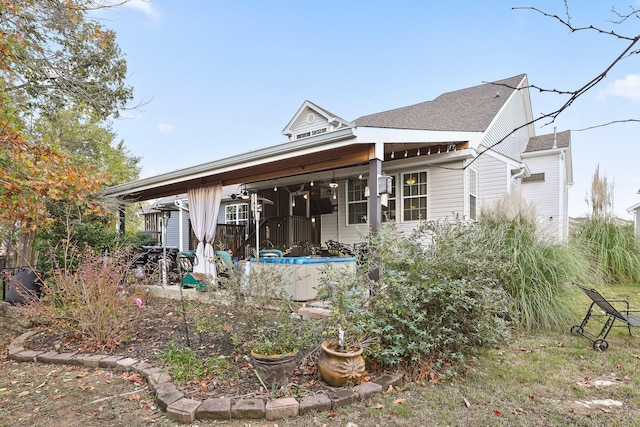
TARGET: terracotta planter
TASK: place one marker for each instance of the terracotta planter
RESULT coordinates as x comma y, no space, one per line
337,368
275,368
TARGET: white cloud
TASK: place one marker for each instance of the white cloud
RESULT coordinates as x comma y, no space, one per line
130,116
145,6
165,128
628,87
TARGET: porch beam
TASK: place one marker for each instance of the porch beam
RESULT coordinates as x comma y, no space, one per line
335,158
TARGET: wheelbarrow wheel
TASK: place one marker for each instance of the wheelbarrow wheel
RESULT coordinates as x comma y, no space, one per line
576,330
601,345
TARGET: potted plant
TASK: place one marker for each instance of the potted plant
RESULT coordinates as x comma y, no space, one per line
341,360
274,347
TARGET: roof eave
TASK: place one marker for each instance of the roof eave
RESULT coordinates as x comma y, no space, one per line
241,160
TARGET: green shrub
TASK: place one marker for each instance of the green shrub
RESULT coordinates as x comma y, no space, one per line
432,304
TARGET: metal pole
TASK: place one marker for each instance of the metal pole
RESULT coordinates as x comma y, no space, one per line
165,219
256,216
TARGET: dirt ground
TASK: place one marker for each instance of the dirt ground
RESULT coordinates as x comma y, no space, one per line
36,394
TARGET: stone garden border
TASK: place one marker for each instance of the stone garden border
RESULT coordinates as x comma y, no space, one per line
185,410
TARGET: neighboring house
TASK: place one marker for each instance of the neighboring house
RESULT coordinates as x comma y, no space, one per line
335,179
635,210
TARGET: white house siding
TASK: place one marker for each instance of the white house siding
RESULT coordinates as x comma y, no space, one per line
493,179
446,192
510,118
173,230
548,209
302,125
334,226
445,198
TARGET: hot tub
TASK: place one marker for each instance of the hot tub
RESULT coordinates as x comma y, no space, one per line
301,275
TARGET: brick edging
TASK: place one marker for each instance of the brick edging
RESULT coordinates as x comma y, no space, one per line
180,408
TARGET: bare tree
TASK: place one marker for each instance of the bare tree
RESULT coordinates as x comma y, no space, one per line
630,49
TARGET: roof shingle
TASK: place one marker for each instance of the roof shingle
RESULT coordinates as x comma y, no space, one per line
471,109
546,142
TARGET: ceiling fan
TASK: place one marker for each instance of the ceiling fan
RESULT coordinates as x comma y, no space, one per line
298,192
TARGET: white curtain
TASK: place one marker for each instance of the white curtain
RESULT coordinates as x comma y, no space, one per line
204,205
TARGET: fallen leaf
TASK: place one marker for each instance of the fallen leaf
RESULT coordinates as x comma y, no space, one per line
331,414
497,413
399,400
23,393
57,396
134,397
378,406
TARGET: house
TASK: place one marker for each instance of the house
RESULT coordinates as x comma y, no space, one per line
334,179
635,210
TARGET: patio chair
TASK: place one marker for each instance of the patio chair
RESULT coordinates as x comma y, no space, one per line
609,313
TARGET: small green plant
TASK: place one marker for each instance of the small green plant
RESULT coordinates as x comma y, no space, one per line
348,329
185,364
281,334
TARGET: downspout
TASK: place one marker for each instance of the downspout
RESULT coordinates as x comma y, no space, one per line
524,172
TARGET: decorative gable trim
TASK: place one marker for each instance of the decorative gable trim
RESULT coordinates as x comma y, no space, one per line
311,120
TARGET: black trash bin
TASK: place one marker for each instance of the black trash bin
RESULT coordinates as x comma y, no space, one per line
24,286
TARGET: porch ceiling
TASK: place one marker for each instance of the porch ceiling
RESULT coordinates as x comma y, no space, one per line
317,161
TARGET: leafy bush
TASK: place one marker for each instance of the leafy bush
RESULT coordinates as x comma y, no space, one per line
611,247
90,295
438,296
450,287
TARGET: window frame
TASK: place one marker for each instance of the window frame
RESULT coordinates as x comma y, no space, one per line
363,201
473,195
405,175
237,210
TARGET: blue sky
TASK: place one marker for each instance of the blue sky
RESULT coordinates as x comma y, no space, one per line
219,78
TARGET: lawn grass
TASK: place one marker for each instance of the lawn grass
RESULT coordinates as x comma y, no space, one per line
541,378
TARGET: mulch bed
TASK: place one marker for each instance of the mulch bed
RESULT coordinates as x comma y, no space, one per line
164,322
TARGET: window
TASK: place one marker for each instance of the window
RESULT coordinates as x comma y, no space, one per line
414,196
319,131
356,202
303,135
389,211
473,195
236,214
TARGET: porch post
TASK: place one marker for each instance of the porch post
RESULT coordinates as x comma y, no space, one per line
121,217
375,208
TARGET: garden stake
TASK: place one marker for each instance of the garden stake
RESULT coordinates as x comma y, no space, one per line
184,309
